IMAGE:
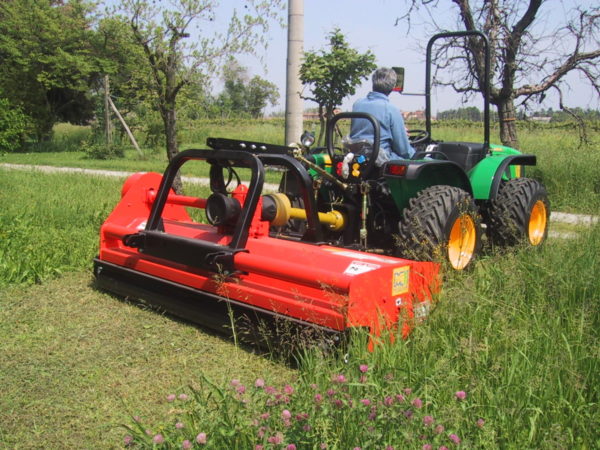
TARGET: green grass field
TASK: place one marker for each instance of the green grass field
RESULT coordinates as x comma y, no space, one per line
568,170
77,363
518,335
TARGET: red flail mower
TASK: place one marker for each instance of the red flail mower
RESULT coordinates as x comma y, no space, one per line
246,262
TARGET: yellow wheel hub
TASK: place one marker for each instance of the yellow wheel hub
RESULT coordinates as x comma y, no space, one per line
462,241
538,220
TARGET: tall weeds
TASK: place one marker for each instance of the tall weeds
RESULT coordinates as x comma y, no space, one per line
518,336
508,358
49,223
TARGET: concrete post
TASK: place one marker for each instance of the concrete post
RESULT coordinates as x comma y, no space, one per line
293,103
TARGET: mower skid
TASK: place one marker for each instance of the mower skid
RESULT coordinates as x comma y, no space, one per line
209,310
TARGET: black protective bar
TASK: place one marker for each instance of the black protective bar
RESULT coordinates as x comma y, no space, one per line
228,157
486,81
248,146
279,155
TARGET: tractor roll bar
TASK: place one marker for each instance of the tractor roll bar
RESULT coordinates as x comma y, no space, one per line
486,81
356,115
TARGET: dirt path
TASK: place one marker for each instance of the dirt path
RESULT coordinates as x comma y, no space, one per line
106,173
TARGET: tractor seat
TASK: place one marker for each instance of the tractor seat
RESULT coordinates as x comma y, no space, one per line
465,154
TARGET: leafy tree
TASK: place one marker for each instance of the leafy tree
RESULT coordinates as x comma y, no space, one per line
530,56
232,100
333,75
124,61
48,60
241,96
175,60
195,101
468,113
260,92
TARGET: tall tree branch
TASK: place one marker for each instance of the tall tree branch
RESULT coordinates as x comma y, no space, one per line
572,63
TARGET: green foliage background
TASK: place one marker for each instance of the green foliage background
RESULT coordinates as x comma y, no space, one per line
334,74
50,60
13,125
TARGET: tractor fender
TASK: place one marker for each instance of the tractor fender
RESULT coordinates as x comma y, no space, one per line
439,172
407,178
487,175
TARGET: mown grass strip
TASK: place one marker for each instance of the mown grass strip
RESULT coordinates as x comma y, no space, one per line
76,362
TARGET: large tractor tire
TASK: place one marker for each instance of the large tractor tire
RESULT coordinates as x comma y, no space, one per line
440,224
519,213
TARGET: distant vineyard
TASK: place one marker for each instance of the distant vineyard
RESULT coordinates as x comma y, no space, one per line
592,125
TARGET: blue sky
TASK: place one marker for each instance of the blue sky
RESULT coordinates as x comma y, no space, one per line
369,25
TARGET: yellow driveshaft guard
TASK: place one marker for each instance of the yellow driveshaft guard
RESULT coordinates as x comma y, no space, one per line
334,219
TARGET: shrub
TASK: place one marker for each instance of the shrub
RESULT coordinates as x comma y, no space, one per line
13,124
101,150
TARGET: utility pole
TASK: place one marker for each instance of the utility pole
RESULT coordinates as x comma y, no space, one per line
295,49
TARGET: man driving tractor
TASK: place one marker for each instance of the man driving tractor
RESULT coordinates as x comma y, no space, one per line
394,142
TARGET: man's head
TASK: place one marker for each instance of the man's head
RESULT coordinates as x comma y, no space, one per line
384,80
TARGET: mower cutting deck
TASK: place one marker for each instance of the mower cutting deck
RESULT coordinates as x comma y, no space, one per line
150,248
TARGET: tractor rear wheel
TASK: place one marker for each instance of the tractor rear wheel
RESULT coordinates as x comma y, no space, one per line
519,213
440,224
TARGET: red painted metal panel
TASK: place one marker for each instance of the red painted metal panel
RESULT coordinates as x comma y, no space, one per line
329,286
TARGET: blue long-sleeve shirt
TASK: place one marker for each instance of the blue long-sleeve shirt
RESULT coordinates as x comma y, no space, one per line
394,140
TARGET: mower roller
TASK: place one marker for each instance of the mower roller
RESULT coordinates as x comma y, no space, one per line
238,265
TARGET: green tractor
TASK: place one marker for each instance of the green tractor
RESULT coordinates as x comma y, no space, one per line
429,208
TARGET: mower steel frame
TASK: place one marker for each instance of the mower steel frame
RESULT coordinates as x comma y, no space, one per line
151,248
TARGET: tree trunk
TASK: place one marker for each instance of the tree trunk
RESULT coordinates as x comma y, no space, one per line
170,120
169,116
508,122
107,122
322,126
